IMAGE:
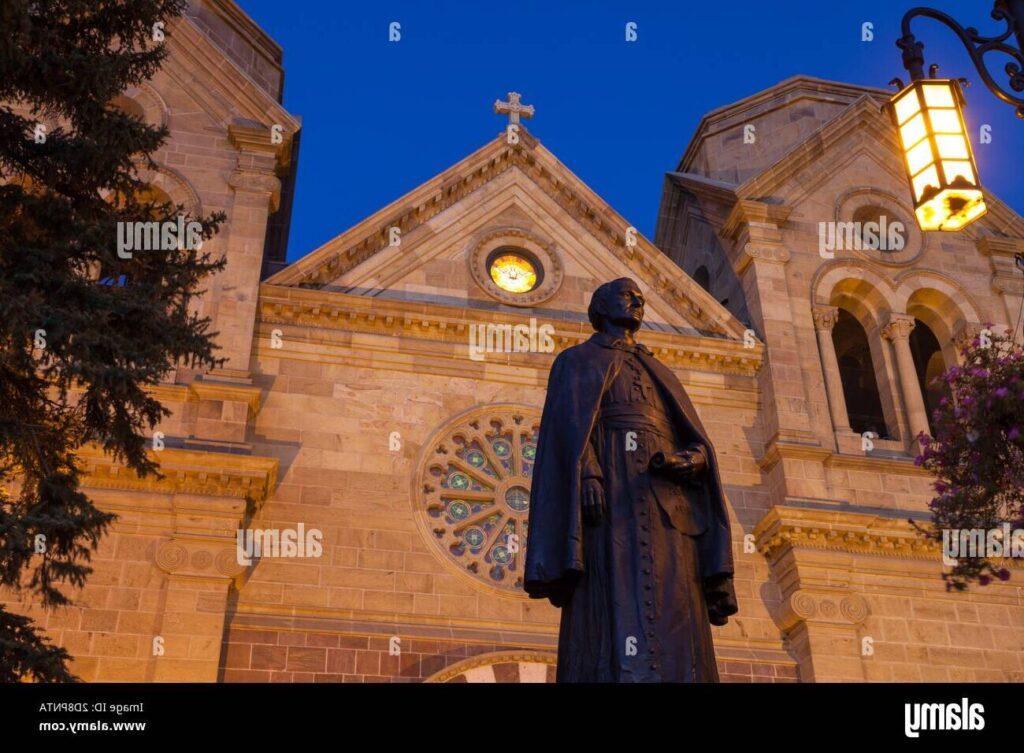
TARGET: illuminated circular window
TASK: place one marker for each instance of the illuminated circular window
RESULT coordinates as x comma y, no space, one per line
870,223
473,497
515,267
514,270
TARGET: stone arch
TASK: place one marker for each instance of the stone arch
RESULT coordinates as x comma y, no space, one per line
174,184
850,203
858,288
500,666
153,108
869,297
943,304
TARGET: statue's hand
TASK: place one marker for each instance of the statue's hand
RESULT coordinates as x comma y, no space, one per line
679,467
720,597
593,501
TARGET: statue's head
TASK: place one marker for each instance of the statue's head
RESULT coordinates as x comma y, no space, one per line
617,302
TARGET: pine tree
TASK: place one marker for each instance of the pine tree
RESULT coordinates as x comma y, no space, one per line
83,329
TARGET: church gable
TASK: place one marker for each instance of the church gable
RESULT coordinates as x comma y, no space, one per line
507,228
854,163
738,141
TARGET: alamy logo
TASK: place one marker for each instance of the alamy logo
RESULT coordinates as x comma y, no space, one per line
878,236
158,236
925,717
975,543
508,338
275,542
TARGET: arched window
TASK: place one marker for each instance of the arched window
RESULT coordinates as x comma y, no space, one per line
129,106
857,372
702,277
930,365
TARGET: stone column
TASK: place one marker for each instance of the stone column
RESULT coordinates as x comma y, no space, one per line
897,331
825,318
201,560
760,256
965,335
257,192
1007,280
822,627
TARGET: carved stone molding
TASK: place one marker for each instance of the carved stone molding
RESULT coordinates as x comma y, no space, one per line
784,529
198,558
899,327
840,608
825,317
353,313
532,666
773,254
186,472
257,181
643,258
552,270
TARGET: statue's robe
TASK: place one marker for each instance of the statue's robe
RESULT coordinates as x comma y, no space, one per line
632,590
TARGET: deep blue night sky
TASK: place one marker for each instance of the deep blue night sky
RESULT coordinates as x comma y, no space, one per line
379,118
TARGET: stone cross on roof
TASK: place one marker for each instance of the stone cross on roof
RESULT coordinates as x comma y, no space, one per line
513,108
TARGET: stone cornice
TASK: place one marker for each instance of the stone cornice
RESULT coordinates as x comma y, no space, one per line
209,390
314,309
754,228
1006,278
186,472
777,451
991,245
784,528
753,216
358,244
192,58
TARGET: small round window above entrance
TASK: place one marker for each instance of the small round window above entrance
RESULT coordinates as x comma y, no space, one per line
514,270
872,224
515,267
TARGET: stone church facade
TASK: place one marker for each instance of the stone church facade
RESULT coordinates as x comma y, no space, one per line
381,399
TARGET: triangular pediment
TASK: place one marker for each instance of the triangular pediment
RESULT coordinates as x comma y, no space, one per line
862,133
517,193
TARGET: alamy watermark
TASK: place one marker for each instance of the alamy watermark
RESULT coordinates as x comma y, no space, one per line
158,236
509,338
276,542
876,236
976,543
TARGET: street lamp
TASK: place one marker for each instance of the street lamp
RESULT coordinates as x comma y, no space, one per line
928,115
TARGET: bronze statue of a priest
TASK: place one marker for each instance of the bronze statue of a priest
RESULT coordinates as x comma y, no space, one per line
628,531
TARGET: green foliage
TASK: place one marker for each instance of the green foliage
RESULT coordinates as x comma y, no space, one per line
82,330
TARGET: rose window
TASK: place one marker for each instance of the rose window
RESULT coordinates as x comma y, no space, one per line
476,492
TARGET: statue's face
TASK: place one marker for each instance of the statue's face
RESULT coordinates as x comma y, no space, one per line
624,305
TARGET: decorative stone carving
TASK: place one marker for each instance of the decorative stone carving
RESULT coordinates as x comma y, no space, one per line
256,181
830,607
544,252
472,499
899,327
825,317
198,558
